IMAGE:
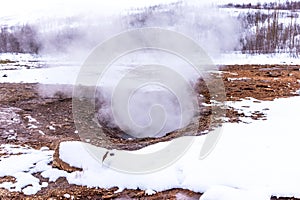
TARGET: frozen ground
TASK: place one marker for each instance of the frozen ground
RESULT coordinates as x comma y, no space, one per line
21,162
50,71
262,59
253,161
243,161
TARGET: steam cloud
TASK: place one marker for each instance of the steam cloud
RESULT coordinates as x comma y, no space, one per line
75,28
76,35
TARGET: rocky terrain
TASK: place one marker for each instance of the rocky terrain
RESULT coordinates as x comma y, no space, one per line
26,118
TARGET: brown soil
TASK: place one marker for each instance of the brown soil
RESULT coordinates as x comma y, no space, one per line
262,82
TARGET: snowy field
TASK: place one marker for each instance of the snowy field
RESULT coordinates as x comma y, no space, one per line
251,161
49,71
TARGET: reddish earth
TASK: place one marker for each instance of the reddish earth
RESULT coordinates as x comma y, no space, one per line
263,82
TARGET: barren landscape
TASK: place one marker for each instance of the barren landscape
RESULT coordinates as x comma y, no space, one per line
20,103
161,99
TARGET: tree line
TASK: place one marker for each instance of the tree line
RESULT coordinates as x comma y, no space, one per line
287,5
265,29
19,39
270,32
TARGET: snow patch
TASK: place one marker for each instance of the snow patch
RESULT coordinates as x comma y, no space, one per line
21,162
236,58
245,163
228,193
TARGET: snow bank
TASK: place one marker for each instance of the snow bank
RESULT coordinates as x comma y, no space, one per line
21,162
253,160
66,72
53,75
258,59
257,159
228,193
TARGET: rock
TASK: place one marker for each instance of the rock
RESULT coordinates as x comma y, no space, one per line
58,163
273,74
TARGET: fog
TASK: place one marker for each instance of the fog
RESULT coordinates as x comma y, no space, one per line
74,28
70,30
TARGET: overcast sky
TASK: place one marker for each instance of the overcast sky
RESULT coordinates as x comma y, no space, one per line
27,10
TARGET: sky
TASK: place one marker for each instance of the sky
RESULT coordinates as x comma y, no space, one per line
30,8
17,11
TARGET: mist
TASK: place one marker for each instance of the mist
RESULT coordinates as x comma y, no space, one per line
71,29
73,32
75,36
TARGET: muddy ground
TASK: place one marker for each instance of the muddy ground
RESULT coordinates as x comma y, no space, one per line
55,123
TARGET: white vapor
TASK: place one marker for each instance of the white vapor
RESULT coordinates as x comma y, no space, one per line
72,29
